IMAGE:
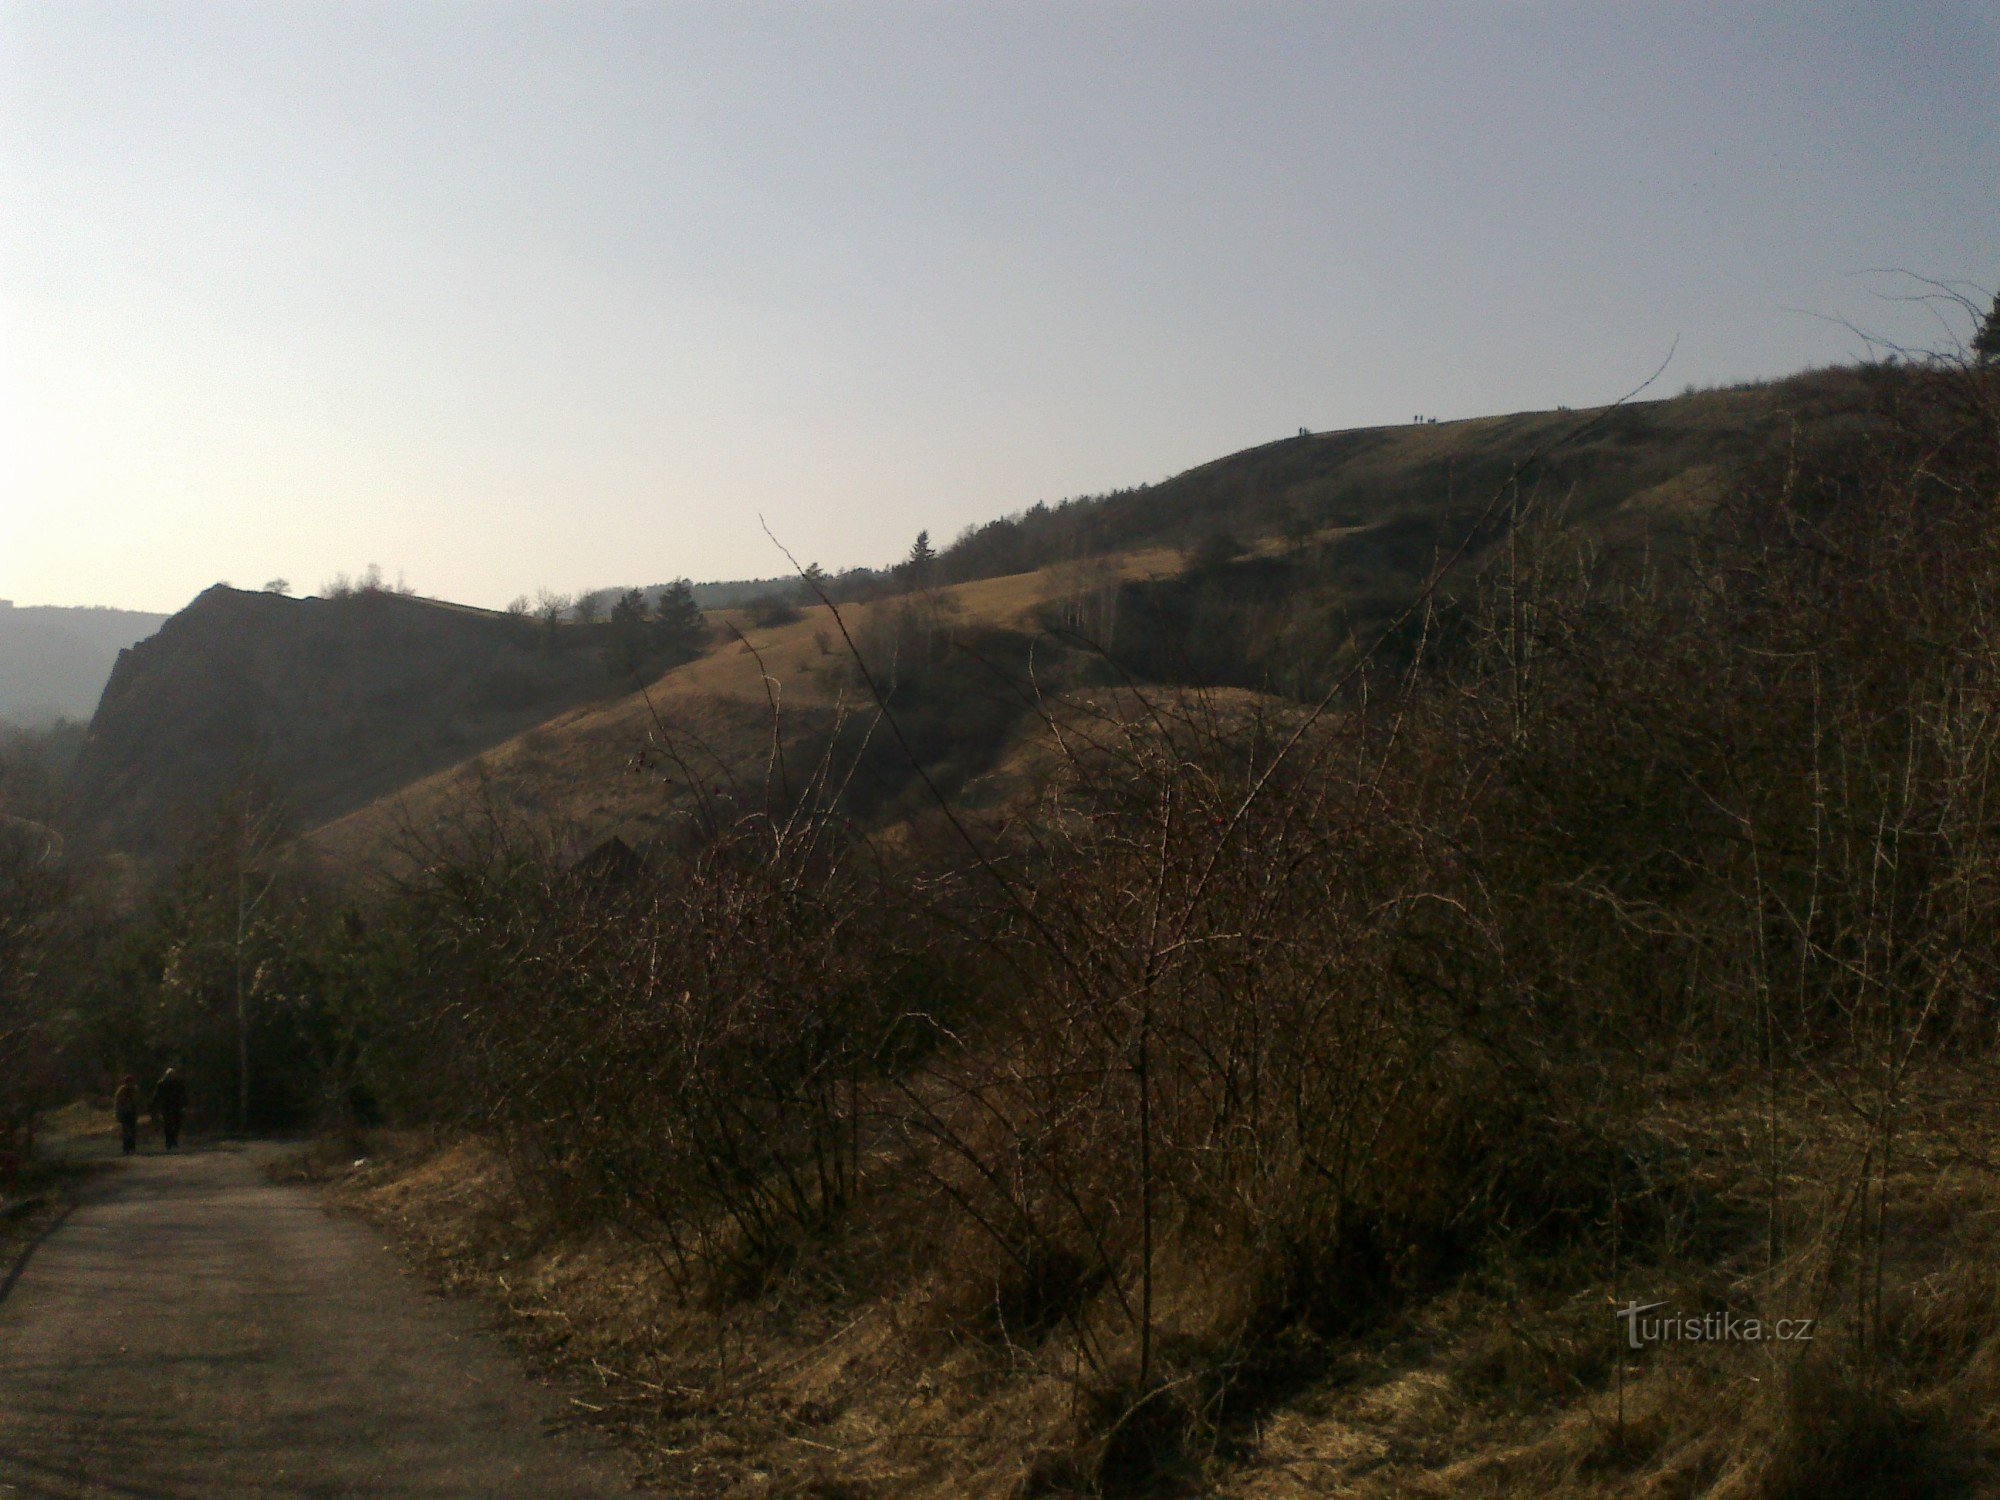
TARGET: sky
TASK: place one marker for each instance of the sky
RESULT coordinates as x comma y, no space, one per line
570,294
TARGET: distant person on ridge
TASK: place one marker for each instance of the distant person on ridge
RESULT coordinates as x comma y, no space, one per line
125,1105
170,1097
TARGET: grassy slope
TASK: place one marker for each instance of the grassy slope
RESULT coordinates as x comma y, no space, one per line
850,1374
1594,460
578,769
1623,474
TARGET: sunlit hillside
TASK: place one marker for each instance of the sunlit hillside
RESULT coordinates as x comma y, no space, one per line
1260,572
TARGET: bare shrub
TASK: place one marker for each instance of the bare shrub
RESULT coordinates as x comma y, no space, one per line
1263,1020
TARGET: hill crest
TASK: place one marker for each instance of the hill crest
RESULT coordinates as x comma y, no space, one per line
331,702
1256,571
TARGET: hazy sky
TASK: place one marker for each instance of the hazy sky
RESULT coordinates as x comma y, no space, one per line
567,294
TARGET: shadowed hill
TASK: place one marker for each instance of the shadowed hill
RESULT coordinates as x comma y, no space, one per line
331,702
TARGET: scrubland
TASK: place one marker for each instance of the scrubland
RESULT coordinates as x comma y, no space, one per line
1283,1096
1170,1043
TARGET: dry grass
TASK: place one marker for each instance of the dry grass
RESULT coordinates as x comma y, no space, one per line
857,1373
1508,1385
1253,1121
812,1389
575,769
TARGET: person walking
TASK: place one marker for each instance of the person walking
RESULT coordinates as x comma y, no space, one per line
170,1097
125,1105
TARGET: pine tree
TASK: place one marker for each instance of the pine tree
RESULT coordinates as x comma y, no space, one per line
918,568
625,652
1986,343
677,619
629,606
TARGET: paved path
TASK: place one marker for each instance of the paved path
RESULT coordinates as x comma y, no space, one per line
191,1330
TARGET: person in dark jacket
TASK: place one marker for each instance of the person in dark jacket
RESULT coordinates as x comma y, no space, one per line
125,1105
170,1097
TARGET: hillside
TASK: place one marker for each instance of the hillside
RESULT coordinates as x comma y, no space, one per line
1416,478
1330,534
1260,572
623,766
1562,1066
330,702
1421,478
54,661
1565,1070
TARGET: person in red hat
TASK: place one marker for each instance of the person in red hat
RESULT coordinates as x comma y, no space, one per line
125,1105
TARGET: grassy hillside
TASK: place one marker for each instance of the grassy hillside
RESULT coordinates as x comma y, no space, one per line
1264,571
1595,462
629,766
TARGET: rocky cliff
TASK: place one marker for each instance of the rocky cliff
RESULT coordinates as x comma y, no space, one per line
330,703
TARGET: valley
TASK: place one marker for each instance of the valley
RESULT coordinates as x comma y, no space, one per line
1225,988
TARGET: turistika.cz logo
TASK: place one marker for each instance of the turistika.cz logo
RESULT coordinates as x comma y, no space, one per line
1708,1328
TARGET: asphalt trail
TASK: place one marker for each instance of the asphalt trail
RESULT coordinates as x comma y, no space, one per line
192,1330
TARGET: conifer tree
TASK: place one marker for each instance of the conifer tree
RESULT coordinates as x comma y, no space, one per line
625,651
919,568
1986,343
677,619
